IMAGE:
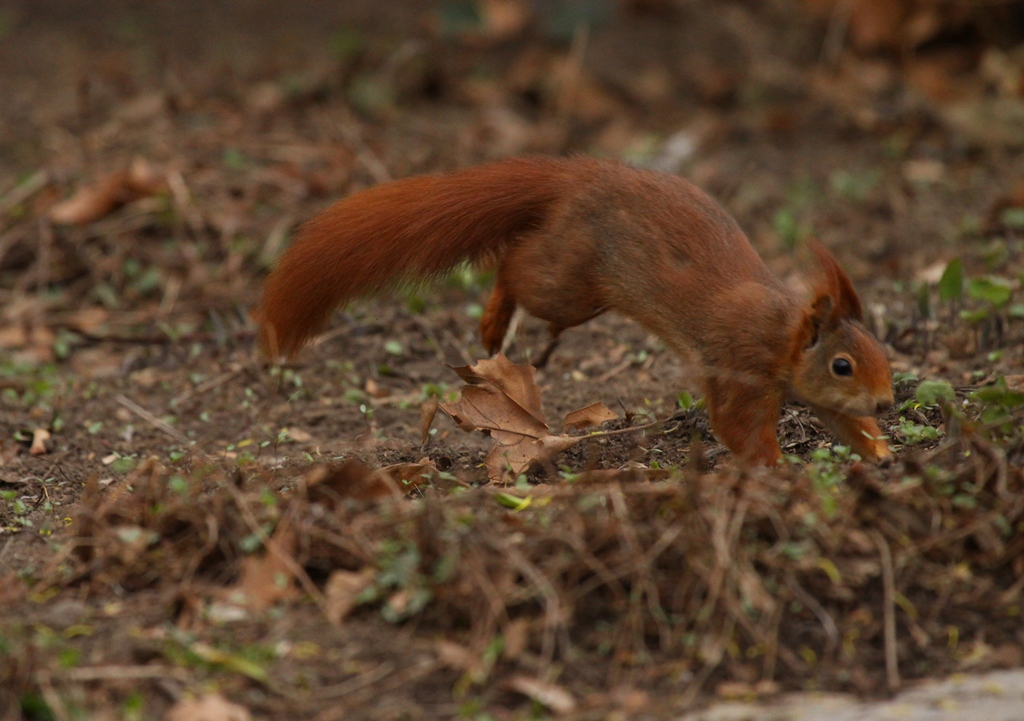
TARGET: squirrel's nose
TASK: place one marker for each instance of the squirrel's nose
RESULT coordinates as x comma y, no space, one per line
883,405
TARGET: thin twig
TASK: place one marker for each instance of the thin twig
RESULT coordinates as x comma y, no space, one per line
513,328
432,339
50,696
354,684
463,353
163,339
205,387
892,671
824,618
353,134
157,423
552,606
636,553
112,673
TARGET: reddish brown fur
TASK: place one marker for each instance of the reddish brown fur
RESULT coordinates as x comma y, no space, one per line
416,227
574,238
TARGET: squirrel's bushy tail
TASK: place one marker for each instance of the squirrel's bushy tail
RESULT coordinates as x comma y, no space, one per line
412,228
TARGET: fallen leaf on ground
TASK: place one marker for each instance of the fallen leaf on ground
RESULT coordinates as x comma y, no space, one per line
266,579
35,341
93,202
593,415
342,590
7,453
410,476
88,320
210,707
456,656
40,436
299,436
476,666
514,381
549,695
427,412
502,400
354,479
517,636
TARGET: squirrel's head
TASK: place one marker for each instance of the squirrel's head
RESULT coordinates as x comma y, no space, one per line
840,366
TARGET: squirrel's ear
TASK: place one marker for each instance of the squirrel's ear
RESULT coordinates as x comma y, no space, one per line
833,282
816,318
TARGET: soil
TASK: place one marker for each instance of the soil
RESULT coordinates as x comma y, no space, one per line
128,339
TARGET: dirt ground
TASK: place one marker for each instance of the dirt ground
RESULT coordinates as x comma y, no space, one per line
179,519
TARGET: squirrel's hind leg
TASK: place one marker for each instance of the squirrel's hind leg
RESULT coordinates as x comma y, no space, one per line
545,355
497,316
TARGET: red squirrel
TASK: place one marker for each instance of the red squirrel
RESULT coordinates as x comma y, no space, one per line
573,238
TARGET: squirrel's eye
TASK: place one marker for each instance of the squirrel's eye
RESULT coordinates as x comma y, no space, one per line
842,367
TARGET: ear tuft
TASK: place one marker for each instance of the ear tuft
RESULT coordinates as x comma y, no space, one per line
832,281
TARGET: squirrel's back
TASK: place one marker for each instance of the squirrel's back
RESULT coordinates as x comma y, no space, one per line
566,231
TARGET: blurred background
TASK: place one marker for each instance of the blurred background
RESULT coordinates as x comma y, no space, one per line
156,156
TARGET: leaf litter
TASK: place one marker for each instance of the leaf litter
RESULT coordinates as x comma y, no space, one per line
786,574
671,580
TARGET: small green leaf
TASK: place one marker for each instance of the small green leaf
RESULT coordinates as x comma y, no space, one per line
951,284
514,502
977,315
999,394
924,301
1013,218
992,289
929,393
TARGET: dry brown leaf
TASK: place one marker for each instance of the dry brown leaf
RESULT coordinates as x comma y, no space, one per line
456,656
93,363
517,636
375,389
515,381
503,19
877,24
97,201
88,320
503,401
521,438
266,579
209,707
36,341
550,695
342,590
427,412
354,479
7,452
299,436
410,476
593,415
516,453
